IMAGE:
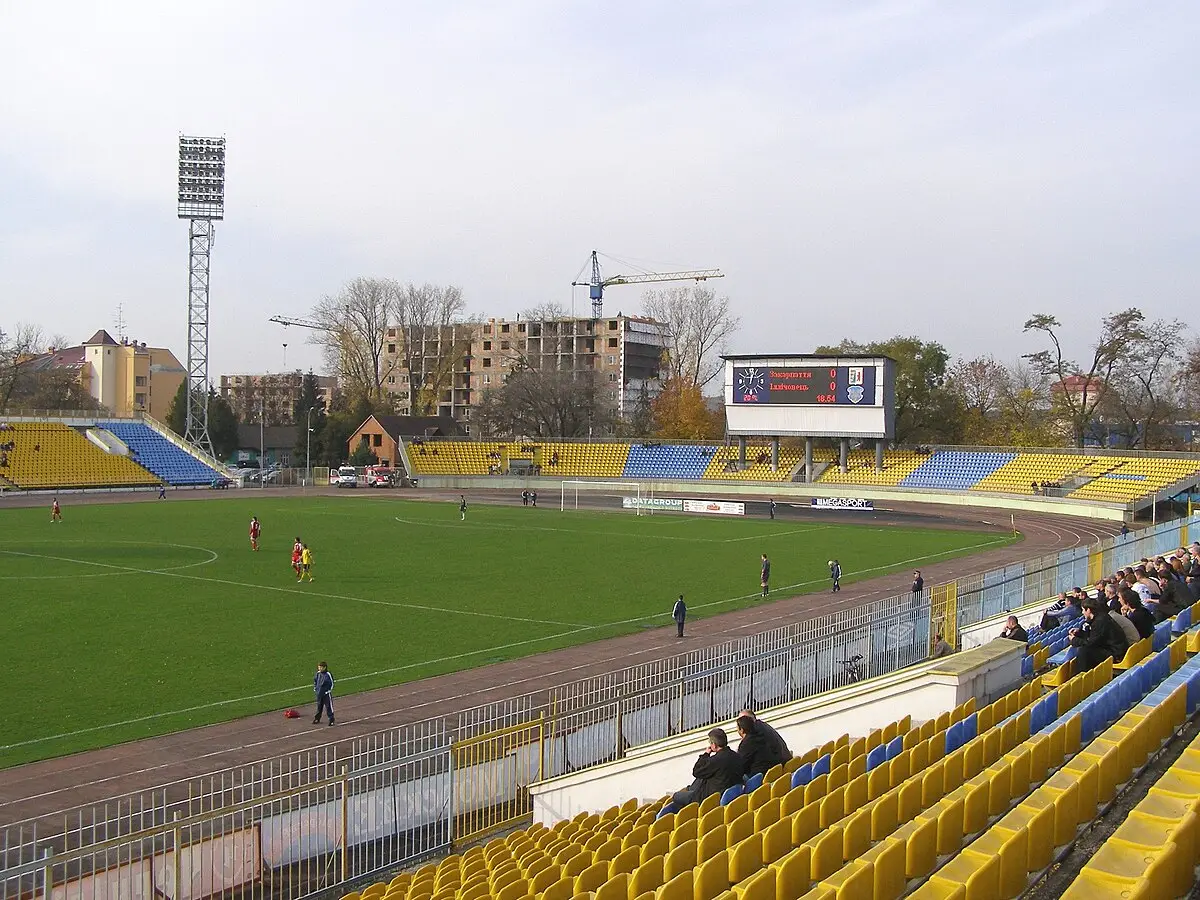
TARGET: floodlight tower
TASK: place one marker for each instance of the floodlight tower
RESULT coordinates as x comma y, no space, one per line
202,202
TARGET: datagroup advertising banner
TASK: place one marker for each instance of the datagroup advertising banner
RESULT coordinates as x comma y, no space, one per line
705,507
842,503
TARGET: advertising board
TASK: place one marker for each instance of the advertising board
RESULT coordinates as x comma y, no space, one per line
842,503
652,503
715,507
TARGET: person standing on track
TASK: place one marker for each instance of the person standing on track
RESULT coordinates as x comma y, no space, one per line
462,506
323,688
766,575
255,531
679,614
835,572
162,491
918,587
771,508
55,511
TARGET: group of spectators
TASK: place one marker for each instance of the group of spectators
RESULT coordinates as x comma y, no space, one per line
1122,608
720,767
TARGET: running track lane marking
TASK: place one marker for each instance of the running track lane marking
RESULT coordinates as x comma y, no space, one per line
268,587
431,662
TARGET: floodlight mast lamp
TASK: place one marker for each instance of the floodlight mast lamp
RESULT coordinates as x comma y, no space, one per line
202,202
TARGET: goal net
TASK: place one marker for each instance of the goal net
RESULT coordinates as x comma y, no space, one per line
630,494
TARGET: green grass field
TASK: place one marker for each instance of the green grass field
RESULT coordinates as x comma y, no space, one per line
128,620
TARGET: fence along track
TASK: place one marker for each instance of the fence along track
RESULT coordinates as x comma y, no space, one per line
290,827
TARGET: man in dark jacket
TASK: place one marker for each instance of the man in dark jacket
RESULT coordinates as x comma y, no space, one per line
782,752
1133,610
323,688
1014,632
717,769
757,750
679,614
1099,637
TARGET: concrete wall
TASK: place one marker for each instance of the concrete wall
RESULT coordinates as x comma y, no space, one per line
652,770
796,492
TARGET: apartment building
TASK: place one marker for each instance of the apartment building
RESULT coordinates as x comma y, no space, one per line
272,397
461,362
125,377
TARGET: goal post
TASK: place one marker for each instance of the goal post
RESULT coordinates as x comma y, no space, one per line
635,489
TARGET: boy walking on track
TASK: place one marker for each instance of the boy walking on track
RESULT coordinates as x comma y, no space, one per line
323,688
255,531
766,574
305,564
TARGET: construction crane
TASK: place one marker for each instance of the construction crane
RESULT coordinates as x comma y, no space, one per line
303,323
598,284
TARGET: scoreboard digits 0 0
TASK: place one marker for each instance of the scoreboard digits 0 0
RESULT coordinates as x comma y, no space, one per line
804,385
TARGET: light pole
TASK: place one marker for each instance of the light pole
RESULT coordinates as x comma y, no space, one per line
262,444
308,446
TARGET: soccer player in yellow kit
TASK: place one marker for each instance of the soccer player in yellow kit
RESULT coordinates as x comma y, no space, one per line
305,564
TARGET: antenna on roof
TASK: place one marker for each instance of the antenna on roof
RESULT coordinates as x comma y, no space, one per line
119,322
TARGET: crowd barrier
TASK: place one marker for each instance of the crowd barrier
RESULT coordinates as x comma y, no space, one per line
291,827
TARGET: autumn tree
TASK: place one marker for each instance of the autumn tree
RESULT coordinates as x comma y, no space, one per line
699,325
16,346
1144,395
682,413
547,311
308,445
1120,333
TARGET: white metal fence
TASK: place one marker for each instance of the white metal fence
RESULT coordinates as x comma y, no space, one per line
291,827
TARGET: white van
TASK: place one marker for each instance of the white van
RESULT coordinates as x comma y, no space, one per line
347,477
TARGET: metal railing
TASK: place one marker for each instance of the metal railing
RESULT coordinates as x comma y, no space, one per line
324,818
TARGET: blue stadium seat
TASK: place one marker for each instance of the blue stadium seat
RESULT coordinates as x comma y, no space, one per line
802,775
669,807
668,461
876,757
754,781
822,766
152,451
732,794
955,470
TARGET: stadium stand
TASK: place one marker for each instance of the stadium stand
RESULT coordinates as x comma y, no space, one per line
584,460
860,468
169,462
454,457
974,804
723,466
668,461
48,455
1017,476
1133,478
955,470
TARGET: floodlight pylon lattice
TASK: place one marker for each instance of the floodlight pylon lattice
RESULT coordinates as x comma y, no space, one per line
202,201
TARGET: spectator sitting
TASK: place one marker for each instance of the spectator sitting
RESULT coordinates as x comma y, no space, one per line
1128,628
1098,637
940,648
774,736
717,769
1067,607
1174,598
1013,631
754,749
1136,614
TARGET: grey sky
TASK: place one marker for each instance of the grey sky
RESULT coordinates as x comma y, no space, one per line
857,169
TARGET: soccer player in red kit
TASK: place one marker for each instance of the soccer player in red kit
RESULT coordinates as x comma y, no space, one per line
55,511
255,530
297,550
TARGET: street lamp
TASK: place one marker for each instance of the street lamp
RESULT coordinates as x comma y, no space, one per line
308,445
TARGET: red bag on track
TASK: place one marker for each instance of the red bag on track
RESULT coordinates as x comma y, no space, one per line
291,714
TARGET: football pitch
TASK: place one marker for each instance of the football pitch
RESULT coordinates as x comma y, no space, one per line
127,620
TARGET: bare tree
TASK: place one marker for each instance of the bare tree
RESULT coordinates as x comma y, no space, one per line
1145,394
15,346
434,337
979,384
543,312
1119,333
700,324
353,334
544,403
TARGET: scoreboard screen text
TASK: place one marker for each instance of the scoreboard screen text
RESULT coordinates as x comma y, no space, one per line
805,385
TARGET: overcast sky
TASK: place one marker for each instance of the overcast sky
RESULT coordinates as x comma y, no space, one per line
856,169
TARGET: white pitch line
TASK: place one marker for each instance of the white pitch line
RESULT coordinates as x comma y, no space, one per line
213,557
494,526
304,593
389,671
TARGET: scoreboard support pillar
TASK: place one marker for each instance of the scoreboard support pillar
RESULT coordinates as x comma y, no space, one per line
741,453
808,465
774,454
879,456
844,455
